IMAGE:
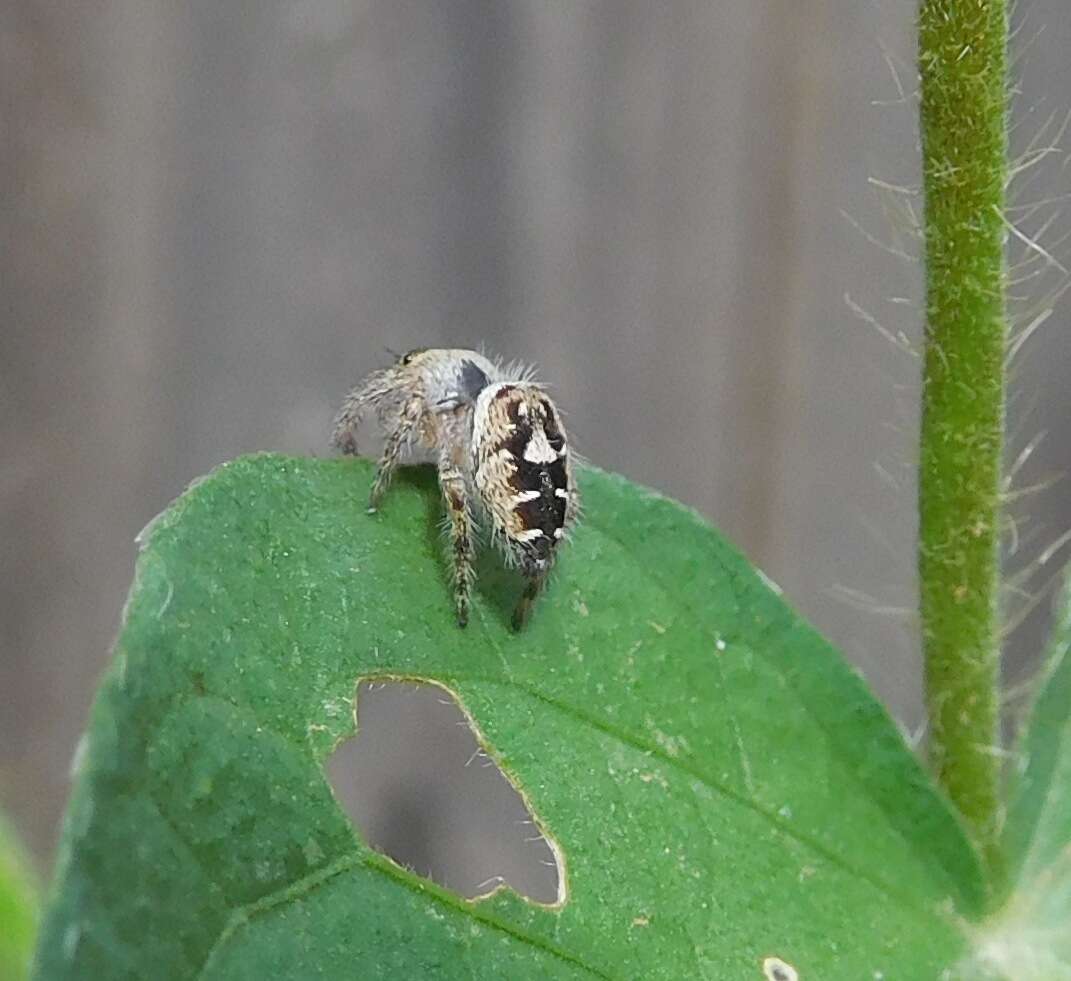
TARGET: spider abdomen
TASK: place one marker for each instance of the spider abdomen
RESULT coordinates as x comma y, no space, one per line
522,469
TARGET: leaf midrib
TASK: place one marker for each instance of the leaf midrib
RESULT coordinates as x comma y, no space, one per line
652,749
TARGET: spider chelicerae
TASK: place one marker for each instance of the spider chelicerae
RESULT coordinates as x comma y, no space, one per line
502,456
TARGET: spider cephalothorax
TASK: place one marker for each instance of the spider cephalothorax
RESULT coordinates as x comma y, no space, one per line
502,455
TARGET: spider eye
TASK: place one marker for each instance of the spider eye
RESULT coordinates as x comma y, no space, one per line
407,358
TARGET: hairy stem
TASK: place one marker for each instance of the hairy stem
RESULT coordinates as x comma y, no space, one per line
963,63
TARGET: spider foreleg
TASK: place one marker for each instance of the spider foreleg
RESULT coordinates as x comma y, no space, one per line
455,495
357,404
397,440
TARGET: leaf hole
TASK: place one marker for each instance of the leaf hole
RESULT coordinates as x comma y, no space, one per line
422,790
776,969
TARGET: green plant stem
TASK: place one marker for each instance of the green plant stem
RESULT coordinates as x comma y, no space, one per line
963,63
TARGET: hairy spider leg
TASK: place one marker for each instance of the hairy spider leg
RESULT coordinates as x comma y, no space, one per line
366,396
455,494
397,440
532,589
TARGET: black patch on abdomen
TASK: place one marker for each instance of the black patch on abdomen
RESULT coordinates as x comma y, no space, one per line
546,512
471,380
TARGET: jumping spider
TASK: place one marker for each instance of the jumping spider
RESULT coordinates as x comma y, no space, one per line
502,457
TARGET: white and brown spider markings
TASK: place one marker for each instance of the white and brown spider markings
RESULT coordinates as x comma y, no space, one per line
502,455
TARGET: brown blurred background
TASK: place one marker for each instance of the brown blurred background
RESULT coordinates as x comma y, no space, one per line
215,217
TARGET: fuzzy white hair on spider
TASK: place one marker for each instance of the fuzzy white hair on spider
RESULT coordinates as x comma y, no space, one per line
501,451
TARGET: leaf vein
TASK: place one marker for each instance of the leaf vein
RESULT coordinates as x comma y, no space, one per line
652,749
375,862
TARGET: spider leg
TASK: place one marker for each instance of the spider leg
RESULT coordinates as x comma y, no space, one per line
363,398
397,440
533,587
455,493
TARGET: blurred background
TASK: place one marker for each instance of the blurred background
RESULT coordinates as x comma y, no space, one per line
695,217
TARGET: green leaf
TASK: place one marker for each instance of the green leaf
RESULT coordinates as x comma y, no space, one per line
1030,938
1038,828
722,787
18,908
